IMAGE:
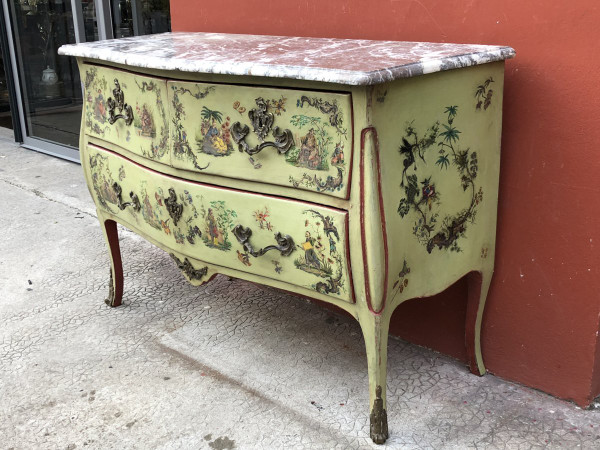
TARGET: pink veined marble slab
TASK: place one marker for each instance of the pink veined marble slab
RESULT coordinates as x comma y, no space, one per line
344,61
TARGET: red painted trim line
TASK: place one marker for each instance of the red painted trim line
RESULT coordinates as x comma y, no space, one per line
213,186
383,223
362,219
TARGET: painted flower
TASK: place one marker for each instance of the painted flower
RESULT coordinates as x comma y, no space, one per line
428,191
261,217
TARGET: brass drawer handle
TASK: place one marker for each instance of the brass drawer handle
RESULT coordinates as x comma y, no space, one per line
285,244
186,267
175,209
262,121
134,203
118,103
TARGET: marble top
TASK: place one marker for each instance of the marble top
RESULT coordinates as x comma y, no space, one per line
345,61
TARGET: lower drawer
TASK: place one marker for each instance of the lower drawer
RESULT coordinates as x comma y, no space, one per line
299,243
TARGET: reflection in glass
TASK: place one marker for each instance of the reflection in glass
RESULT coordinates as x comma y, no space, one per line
89,20
50,84
5,115
137,17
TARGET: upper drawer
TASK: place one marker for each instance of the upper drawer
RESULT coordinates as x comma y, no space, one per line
286,137
140,121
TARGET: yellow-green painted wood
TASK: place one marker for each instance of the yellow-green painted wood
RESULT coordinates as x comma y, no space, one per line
385,201
419,103
202,139
413,109
209,214
148,135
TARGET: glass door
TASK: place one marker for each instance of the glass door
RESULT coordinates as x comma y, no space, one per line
47,85
5,106
49,88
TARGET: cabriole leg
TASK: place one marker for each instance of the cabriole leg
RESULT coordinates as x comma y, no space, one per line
479,283
115,288
375,331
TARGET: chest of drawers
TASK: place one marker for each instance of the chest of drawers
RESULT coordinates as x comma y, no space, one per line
359,173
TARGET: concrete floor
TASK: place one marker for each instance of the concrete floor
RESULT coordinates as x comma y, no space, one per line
226,365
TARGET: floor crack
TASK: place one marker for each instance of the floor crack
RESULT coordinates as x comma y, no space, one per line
43,196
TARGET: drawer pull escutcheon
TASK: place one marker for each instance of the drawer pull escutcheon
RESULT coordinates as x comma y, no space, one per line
134,203
186,267
285,244
118,103
262,121
175,209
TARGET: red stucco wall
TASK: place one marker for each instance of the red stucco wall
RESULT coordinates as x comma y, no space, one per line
542,316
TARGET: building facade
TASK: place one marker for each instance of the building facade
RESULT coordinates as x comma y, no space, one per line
542,320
